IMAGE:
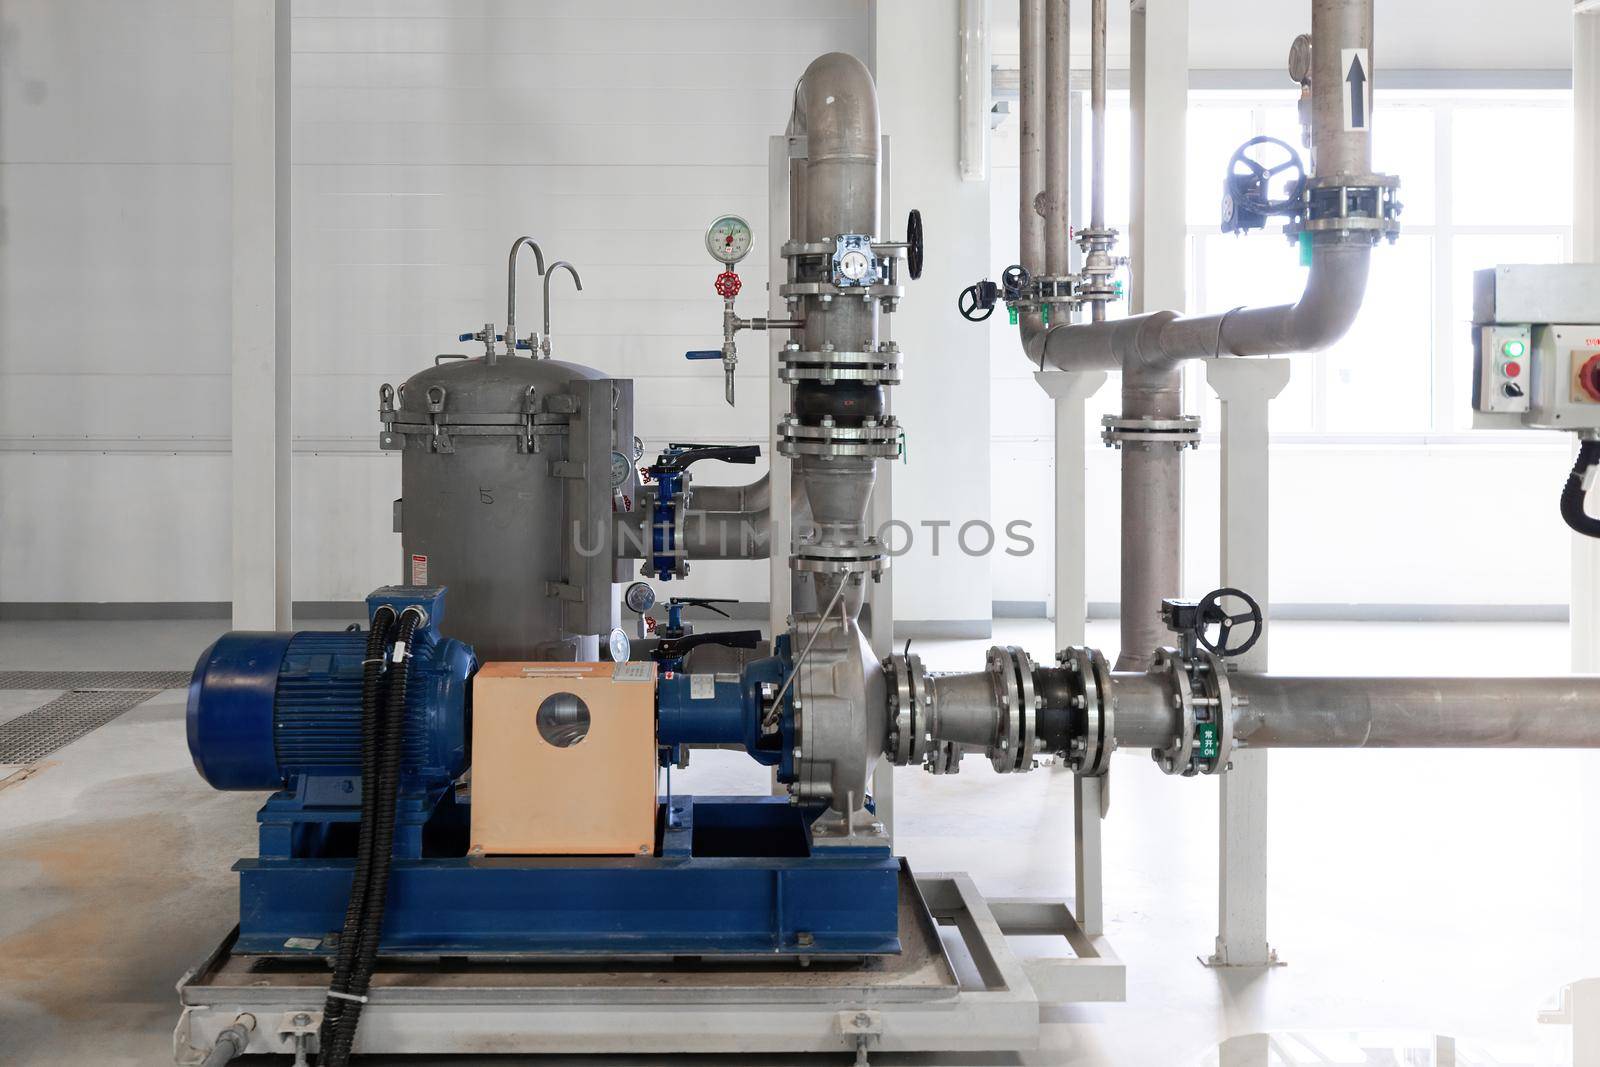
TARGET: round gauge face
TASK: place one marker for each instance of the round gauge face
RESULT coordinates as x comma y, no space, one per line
854,265
619,645
638,449
729,239
640,597
621,470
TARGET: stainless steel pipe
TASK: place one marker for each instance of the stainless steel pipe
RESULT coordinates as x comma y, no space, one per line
1057,141
1334,287
1282,711
1031,140
1097,130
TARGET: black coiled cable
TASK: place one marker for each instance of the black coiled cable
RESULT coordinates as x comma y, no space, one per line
1572,496
391,752
372,704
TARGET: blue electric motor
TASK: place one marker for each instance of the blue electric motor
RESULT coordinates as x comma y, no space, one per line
277,710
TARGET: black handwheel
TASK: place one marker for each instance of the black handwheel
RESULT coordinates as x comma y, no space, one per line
1258,194
1216,615
914,244
1015,280
970,303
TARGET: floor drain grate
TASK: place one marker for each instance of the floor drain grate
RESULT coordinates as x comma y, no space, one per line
86,680
35,734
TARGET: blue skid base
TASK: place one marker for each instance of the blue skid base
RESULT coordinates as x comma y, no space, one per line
731,876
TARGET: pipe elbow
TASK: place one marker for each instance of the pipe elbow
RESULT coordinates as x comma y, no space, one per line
1327,308
836,107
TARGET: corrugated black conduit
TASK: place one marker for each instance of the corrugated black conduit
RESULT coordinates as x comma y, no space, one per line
372,705
1572,495
391,752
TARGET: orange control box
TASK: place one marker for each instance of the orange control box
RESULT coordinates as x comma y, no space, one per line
563,759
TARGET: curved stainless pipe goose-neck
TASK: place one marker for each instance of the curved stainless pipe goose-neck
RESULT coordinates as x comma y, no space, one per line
511,286
560,264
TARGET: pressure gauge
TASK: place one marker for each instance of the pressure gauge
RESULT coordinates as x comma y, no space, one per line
621,470
638,448
619,645
728,240
854,264
640,597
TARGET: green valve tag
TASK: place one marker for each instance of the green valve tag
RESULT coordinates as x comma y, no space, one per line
1044,313
1305,248
1206,737
1012,313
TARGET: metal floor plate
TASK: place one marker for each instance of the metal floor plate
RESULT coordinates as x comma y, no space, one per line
35,734
87,680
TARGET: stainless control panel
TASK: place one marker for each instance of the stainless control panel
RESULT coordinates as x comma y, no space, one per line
1536,345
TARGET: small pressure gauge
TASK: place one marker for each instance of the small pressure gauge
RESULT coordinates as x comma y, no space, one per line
728,240
621,470
619,645
854,265
638,448
640,597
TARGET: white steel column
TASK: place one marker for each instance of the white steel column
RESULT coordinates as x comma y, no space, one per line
260,365
1071,390
1246,388
1158,230
1586,249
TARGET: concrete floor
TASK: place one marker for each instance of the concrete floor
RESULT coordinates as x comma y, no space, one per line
1417,892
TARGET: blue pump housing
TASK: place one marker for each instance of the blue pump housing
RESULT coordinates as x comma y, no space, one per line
273,710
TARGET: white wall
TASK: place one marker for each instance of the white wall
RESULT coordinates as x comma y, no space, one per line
427,134
944,401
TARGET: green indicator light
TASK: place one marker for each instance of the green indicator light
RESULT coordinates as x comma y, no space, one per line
1514,349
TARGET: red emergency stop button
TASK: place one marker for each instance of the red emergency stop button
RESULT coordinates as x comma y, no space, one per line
1589,377
1512,370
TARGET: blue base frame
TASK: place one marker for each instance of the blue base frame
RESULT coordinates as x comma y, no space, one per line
731,876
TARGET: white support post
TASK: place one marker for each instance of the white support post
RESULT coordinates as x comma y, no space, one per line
1071,390
1585,608
1246,388
260,361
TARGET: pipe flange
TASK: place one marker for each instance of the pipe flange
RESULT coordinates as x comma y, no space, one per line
1178,756
1210,672
908,740
944,757
877,439
881,366
1179,433
1090,755
867,557
1015,705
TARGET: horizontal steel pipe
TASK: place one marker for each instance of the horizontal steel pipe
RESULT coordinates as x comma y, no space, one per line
1289,712
1282,711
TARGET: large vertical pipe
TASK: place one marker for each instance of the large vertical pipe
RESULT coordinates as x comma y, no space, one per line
1057,142
1031,146
1152,474
1337,25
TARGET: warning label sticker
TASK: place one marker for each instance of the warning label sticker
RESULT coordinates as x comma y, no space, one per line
419,570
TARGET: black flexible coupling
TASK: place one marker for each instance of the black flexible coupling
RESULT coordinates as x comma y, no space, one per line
372,703
1572,496
392,752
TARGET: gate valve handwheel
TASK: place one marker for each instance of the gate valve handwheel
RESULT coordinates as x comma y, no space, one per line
1216,616
1247,196
977,301
728,284
914,244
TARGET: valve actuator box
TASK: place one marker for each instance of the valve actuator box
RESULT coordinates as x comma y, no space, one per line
1536,345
